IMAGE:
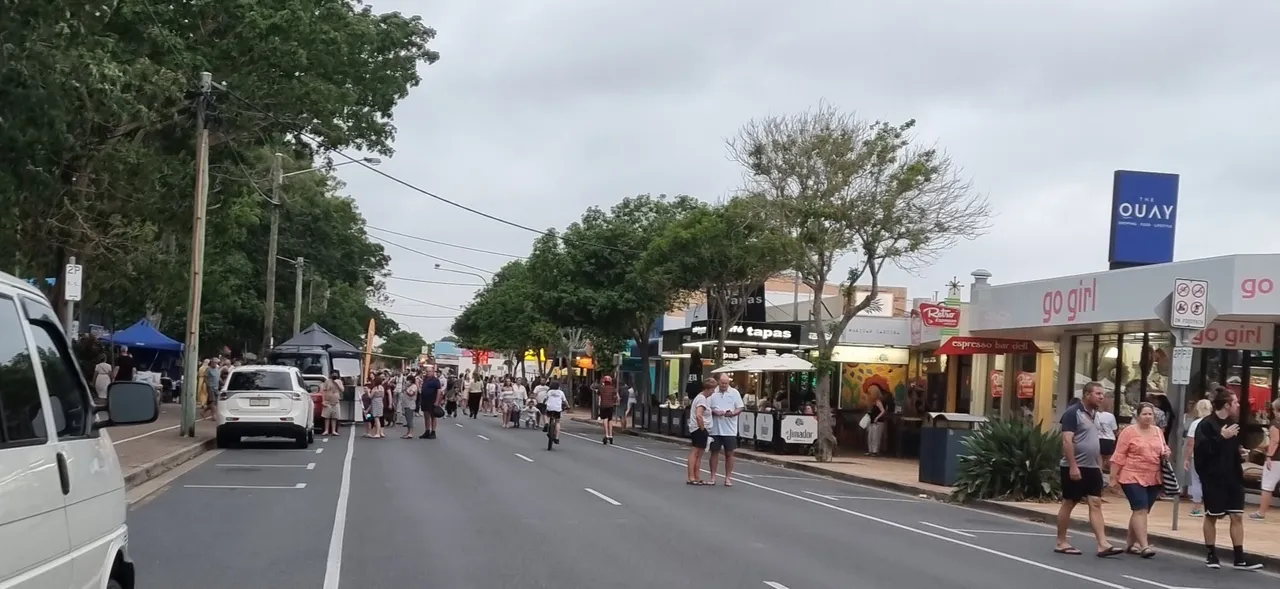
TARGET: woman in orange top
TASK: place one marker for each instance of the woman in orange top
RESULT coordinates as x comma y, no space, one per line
1135,467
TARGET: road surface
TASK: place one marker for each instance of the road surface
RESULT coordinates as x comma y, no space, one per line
486,508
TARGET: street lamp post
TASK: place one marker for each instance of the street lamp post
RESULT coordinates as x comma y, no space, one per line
277,182
477,275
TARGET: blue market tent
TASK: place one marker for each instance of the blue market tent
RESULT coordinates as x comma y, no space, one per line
143,335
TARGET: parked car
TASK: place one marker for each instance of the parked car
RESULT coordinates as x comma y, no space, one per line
317,400
60,527
262,400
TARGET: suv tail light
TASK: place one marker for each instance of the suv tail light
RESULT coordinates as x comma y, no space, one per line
295,396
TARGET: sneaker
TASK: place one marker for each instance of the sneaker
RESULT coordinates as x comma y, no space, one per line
1197,513
1255,516
1244,565
1212,562
556,440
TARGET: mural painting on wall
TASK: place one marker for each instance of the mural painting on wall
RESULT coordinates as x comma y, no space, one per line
863,381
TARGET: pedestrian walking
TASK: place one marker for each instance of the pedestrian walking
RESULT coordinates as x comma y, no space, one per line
626,399
506,399
376,407
876,413
213,384
1220,462
450,400
726,404
1107,428
1081,470
102,377
1270,466
608,402
1135,468
490,403
699,433
430,399
1202,409
409,407
330,397
474,395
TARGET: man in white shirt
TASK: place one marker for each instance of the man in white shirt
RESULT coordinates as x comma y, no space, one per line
555,404
540,398
726,404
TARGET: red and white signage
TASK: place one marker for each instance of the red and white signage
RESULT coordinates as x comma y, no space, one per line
940,316
996,382
1026,385
960,346
1235,335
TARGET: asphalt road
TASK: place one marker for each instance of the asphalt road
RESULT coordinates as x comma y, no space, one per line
486,508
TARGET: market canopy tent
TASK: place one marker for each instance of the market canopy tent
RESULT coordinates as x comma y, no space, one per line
317,337
768,363
143,335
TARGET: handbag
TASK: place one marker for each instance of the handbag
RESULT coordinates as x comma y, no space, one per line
865,422
1169,479
437,411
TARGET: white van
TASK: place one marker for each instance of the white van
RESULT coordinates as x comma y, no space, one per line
62,495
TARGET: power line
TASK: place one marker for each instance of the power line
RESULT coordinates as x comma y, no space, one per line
429,303
434,257
438,282
413,187
446,244
385,312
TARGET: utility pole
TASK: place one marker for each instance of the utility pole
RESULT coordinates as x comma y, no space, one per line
72,282
269,312
191,352
297,298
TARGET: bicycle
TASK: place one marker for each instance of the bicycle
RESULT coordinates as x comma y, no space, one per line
552,422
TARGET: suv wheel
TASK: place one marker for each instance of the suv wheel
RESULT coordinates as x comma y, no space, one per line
302,440
226,441
311,436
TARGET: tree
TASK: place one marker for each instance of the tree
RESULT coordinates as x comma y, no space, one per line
504,315
403,344
593,277
841,186
726,252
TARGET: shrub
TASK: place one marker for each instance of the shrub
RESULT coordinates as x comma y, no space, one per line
1010,460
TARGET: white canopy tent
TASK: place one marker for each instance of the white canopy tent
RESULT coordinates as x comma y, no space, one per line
768,363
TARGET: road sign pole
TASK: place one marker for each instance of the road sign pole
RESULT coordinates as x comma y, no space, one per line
71,287
1180,337
1189,311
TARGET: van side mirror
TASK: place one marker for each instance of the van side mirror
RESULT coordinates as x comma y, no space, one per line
130,403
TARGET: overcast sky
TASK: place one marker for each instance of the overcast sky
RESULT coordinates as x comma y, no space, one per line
539,109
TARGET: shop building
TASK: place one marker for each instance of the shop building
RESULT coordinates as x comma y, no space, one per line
1107,327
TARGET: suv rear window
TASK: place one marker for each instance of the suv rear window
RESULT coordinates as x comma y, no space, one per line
260,380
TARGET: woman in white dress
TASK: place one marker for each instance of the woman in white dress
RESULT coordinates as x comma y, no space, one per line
101,377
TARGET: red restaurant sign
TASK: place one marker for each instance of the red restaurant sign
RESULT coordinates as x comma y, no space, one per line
960,346
935,315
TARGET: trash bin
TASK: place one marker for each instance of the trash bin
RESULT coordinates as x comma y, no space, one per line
941,444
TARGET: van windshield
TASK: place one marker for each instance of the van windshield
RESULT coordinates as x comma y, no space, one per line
315,364
260,380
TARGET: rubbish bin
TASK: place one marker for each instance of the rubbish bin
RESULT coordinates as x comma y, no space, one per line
941,444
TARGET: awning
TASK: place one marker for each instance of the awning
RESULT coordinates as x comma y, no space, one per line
966,346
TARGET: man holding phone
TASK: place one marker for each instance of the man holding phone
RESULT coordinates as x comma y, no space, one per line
726,404
1219,460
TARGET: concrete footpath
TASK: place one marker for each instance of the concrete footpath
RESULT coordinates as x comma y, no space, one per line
149,450
1262,538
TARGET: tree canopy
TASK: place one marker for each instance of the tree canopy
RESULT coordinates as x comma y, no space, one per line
97,152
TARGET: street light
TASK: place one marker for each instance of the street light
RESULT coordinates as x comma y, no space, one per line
277,183
480,276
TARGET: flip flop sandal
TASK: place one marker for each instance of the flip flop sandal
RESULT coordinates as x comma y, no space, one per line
1113,551
1148,553
1070,550
728,483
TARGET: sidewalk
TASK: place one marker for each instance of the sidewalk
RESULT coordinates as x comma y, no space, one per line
1261,538
146,451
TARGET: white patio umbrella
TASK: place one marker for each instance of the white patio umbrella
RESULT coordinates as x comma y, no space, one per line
768,363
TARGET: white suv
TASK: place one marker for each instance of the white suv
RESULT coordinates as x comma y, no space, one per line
265,401
62,494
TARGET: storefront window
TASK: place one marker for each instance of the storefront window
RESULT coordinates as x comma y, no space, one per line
1128,375
1083,366
1108,366
995,383
964,383
1262,367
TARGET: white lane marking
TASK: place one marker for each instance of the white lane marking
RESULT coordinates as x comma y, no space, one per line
319,450
306,466
778,476
311,466
324,439
775,585
523,457
153,432
907,528
862,498
1007,533
1161,585
333,566
482,437
297,486
458,424
956,532
602,496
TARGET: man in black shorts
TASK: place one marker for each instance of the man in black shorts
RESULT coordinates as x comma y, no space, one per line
1082,470
1220,463
428,398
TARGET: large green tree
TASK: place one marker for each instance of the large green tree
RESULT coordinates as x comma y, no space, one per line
843,187
97,157
593,275
505,316
725,253
403,344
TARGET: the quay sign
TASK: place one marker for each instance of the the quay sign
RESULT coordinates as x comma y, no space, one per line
750,332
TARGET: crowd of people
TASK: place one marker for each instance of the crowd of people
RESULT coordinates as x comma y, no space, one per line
1139,463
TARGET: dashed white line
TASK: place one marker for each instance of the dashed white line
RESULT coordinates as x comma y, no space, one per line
310,466
333,565
775,585
324,439
458,424
523,457
297,486
906,528
862,498
153,432
482,437
319,450
1008,533
602,496
945,529
778,476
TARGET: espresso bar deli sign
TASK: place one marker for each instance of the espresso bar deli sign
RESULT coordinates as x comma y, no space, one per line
960,346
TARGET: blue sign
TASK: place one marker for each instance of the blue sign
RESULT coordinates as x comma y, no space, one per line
1144,216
